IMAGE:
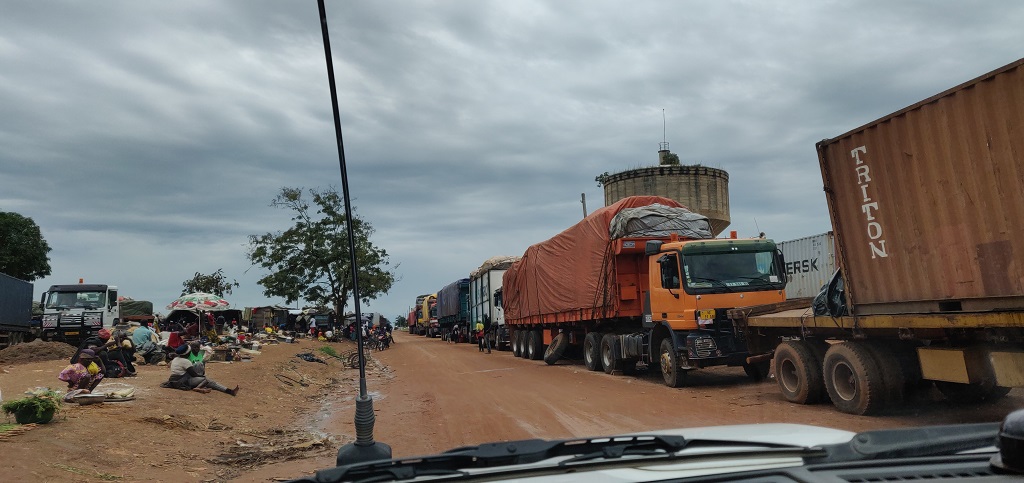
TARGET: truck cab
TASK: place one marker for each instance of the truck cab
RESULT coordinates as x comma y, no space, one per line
692,285
74,312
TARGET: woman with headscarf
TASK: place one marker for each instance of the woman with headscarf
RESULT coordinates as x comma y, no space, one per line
83,374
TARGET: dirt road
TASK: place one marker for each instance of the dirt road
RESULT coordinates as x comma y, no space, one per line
444,395
429,396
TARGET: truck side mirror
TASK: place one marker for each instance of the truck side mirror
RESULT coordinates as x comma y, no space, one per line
780,259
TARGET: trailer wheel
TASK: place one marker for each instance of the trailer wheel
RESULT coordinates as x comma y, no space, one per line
592,351
608,359
15,338
798,372
853,380
971,393
556,348
891,371
536,339
674,375
517,343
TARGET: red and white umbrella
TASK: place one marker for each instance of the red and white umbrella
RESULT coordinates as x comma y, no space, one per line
199,301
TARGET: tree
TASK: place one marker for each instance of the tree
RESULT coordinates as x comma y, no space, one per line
23,250
401,321
310,260
215,283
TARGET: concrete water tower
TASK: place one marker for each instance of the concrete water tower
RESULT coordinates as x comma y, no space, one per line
702,189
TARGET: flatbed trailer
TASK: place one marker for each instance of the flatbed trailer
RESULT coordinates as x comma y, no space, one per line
926,206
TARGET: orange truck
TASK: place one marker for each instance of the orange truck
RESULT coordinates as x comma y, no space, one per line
641,282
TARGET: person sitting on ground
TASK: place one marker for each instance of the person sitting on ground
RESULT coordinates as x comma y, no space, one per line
145,341
196,354
120,349
83,374
187,376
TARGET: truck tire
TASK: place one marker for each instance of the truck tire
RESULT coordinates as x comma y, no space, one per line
517,343
556,348
971,393
609,361
853,380
891,370
668,359
592,351
535,345
798,373
15,338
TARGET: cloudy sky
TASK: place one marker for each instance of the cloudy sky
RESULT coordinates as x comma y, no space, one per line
148,138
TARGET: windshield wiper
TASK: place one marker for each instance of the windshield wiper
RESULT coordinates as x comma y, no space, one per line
452,463
714,281
913,442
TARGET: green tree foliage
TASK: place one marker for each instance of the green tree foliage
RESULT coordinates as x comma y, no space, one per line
310,260
401,321
23,251
671,159
215,283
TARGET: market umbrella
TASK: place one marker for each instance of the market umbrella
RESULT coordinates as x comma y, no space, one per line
200,301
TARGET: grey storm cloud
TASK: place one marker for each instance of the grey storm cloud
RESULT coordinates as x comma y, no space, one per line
147,139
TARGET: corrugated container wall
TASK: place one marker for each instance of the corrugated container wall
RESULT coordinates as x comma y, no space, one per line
927,204
15,300
810,262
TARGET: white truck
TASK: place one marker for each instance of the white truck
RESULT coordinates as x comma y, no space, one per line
72,313
483,305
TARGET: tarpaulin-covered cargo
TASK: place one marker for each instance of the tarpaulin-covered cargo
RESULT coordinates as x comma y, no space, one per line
596,268
135,308
927,202
453,302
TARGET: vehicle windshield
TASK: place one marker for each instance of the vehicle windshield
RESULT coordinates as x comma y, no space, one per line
828,230
725,271
70,300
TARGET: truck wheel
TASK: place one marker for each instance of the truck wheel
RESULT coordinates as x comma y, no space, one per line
853,379
556,348
592,351
15,338
674,375
517,345
608,359
971,393
535,345
890,369
798,372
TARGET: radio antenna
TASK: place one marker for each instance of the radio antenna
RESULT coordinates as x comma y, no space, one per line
364,448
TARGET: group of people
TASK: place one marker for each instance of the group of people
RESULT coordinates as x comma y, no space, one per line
111,354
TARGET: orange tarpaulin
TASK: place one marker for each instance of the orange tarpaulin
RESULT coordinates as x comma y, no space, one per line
573,273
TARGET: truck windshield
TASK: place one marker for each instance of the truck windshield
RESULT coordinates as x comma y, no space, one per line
72,300
732,271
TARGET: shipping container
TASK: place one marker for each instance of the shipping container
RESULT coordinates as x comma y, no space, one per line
810,262
926,203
